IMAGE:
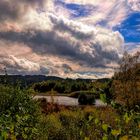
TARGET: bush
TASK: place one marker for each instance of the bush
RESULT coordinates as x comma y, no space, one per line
82,99
90,99
86,99
19,116
53,127
72,122
90,123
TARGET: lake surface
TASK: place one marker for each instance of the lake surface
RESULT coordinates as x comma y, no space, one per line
68,101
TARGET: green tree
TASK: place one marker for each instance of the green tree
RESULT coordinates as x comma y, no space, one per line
126,80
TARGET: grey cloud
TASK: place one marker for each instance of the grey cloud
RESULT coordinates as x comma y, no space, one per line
69,40
8,11
41,42
16,9
50,43
66,26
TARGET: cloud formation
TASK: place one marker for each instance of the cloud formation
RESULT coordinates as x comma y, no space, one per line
15,9
41,37
20,66
70,39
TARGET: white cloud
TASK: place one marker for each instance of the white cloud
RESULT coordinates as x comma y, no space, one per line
89,37
45,40
112,12
16,65
134,4
67,40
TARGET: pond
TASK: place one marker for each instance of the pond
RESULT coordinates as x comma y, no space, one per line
68,101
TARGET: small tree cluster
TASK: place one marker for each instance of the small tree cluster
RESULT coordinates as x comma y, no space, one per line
61,86
86,99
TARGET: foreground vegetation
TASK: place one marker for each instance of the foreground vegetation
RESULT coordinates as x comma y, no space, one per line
20,118
23,118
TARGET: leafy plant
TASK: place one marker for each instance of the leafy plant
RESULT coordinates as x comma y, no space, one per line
19,114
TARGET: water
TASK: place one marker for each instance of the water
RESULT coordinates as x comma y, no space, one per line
68,101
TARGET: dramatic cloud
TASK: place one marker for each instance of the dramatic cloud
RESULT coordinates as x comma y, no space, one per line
72,40
68,38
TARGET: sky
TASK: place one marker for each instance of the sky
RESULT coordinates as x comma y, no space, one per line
67,38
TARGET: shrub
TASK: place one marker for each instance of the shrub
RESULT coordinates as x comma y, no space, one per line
72,122
90,99
90,123
53,127
19,116
86,99
82,99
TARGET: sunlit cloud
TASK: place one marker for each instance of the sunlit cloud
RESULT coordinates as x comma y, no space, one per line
67,38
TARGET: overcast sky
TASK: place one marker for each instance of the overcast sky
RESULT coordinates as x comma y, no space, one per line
67,38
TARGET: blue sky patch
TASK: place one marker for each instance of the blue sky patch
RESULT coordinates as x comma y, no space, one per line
130,28
78,10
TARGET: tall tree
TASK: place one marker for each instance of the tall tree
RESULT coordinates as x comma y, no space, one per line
127,80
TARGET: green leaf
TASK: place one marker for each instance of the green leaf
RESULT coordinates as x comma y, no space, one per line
105,127
127,118
116,132
97,121
90,118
